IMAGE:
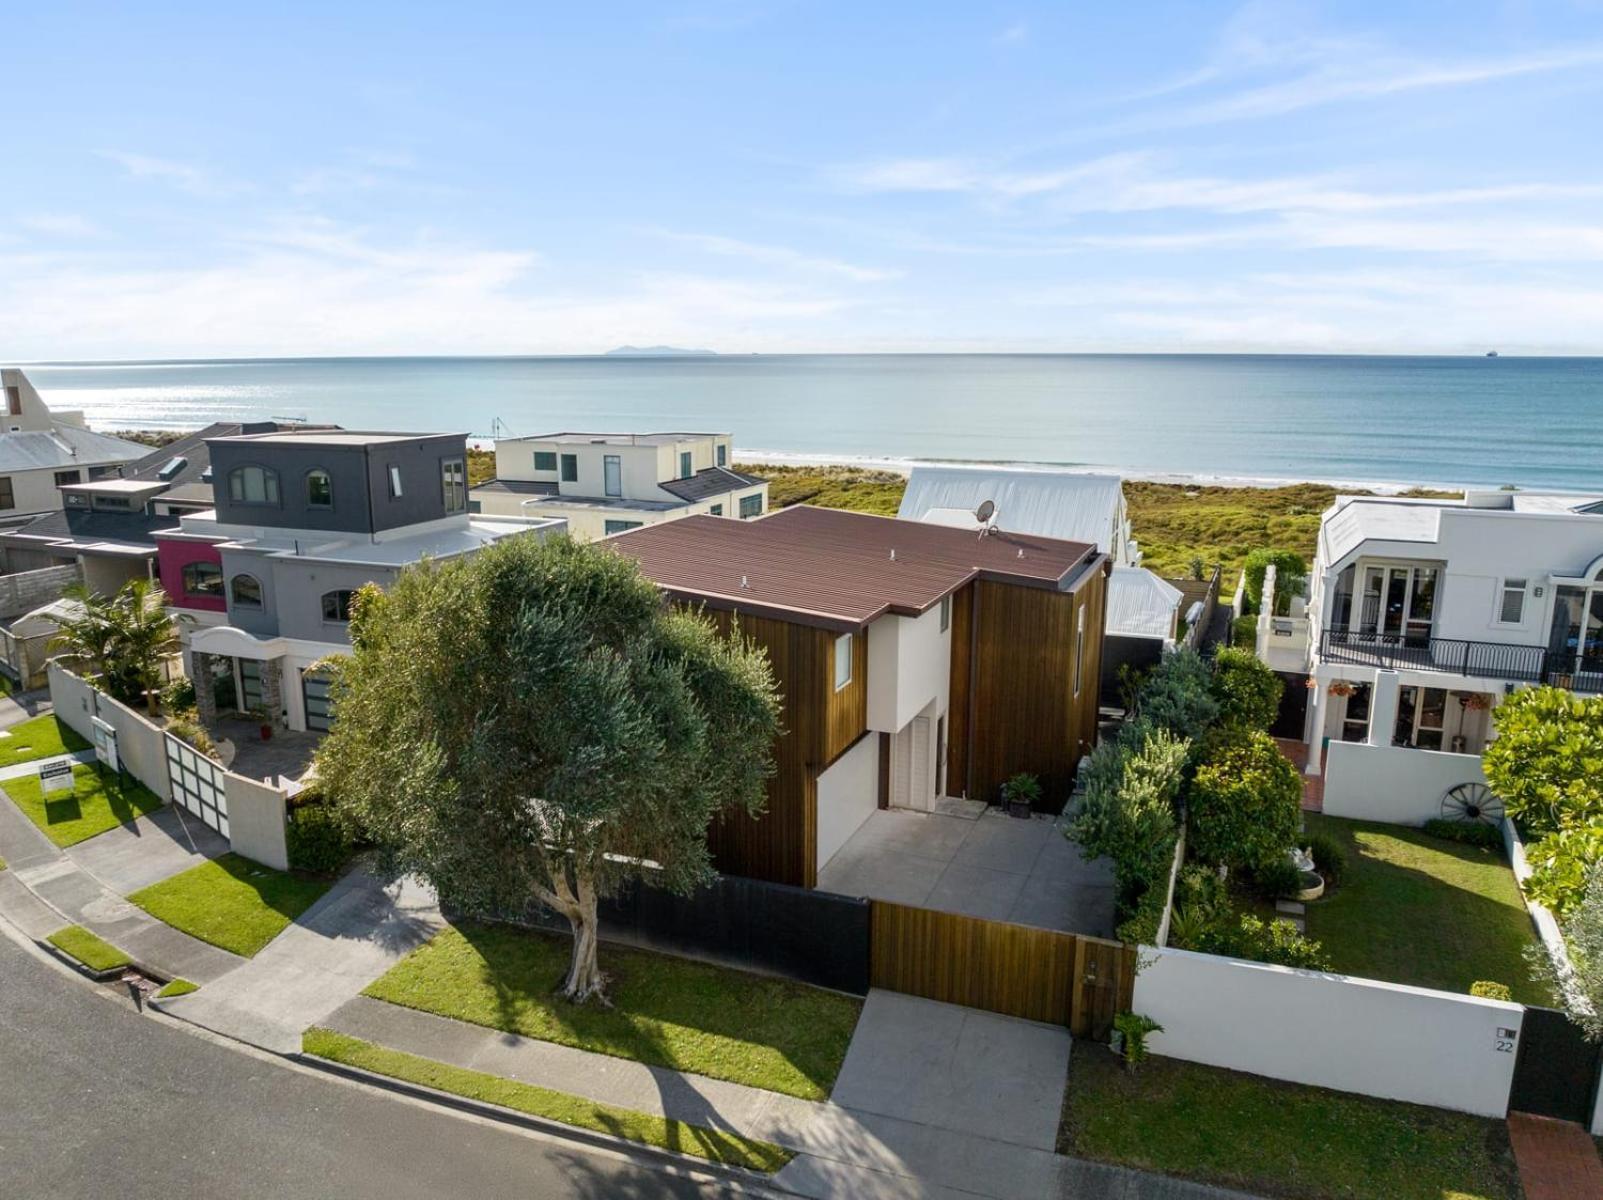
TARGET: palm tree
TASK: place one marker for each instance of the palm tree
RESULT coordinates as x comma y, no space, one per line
87,640
123,639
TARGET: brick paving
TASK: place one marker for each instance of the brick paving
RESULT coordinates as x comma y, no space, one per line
1313,786
1557,1159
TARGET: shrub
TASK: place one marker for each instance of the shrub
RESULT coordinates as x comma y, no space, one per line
1245,803
1280,943
1290,572
1488,990
1141,927
1547,760
1330,860
1022,788
317,840
1134,1029
1244,631
1277,879
1205,920
1562,864
178,696
1246,690
187,728
1176,696
1127,813
1471,833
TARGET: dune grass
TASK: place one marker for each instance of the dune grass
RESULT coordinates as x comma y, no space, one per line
98,801
670,1012
682,1138
94,952
231,902
40,737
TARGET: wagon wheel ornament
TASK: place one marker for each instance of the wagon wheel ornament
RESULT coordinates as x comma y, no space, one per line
1472,802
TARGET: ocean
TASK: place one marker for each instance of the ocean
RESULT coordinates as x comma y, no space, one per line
1535,422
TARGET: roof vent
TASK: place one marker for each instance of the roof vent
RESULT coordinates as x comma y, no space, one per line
745,584
893,553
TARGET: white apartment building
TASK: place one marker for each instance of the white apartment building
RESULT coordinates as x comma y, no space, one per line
606,483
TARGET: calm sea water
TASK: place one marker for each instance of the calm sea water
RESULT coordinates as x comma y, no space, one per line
1537,422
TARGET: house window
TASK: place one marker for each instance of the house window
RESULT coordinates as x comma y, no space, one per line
1511,607
113,503
946,613
14,400
253,485
613,527
570,468
395,481
63,478
545,460
8,498
1355,717
1079,650
245,591
751,506
613,470
716,510
684,464
843,660
723,455
337,605
203,579
319,489
454,484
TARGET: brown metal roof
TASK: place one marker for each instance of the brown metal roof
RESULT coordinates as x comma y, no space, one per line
834,568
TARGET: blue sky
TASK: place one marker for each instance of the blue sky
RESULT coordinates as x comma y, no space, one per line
297,179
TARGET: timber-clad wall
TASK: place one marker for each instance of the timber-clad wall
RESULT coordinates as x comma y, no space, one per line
1039,974
819,724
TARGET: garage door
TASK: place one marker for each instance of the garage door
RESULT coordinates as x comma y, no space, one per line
314,689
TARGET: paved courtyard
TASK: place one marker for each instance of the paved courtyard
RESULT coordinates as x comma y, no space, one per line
286,753
986,865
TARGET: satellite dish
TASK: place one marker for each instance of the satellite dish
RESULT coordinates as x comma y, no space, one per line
985,511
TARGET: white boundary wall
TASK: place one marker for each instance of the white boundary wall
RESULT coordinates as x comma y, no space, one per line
1354,1035
848,794
1395,784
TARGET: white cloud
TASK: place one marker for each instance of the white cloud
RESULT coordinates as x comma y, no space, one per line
1013,34
780,256
197,181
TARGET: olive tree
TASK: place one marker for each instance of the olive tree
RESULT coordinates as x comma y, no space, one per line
536,724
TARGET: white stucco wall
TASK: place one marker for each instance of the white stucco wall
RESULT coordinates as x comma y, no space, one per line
1354,1035
909,666
848,793
1393,783
256,821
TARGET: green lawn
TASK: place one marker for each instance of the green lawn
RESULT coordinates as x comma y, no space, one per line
231,902
671,1012
41,737
1418,910
95,953
98,802
718,1146
1277,1139
177,987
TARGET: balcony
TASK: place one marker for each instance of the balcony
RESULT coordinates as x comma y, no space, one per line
1481,660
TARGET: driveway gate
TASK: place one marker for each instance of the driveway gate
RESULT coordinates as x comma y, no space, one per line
1556,1073
198,783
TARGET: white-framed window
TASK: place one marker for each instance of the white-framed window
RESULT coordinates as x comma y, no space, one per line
395,481
843,660
1079,650
1511,602
946,613
612,475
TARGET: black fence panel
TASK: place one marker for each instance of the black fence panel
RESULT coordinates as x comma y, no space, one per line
812,936
1136,652
1293,714
1556,1073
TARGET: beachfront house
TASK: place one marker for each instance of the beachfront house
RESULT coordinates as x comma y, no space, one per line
606,483
1422,616
261,585
41,450
918,664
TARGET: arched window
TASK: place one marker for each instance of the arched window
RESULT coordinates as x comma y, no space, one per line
245,591
337,605
319,489
253,485
203,579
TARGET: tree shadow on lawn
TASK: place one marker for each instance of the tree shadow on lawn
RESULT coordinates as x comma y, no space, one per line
671,1012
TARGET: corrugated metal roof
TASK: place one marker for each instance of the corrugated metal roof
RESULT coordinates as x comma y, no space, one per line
1140,604
712,481
1062,504
836,569
63,447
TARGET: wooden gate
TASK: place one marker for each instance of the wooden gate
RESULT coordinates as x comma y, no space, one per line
1017,970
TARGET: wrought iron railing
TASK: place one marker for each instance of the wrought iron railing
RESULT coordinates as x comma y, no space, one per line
1481,660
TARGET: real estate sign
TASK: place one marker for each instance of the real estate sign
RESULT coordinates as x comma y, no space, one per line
55,775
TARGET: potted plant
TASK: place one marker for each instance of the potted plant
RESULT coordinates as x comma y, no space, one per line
1020,794
259,715
1341,687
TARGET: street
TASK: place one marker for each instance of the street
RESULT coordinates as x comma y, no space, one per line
96,1100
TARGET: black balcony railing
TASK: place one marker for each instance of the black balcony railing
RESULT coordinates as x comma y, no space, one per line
1480,660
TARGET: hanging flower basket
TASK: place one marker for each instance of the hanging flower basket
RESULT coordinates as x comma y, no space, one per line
1477,702
1341,687
1310,683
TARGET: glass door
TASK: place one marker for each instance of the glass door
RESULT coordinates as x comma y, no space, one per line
1421,607
1396,601
250,684
1374,585
1355,720
1421,717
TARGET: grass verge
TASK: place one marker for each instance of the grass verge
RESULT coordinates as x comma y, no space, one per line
714,1145
231,902
1418,910
98,801
1277,1139
40,737
177,987
670,1012
95,953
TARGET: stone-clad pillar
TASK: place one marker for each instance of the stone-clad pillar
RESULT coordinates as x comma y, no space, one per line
205,687
272,689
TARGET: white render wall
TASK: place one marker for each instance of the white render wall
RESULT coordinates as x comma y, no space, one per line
909,666
1354,1035
848,794
1394,784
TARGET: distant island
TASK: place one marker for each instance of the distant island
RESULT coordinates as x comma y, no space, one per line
658,352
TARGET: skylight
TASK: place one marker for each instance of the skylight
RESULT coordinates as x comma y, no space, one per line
171,467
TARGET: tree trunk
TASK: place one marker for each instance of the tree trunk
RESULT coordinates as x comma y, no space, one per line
578,903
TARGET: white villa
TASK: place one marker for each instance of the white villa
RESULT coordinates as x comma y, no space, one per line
606,483
41,450
1421,616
